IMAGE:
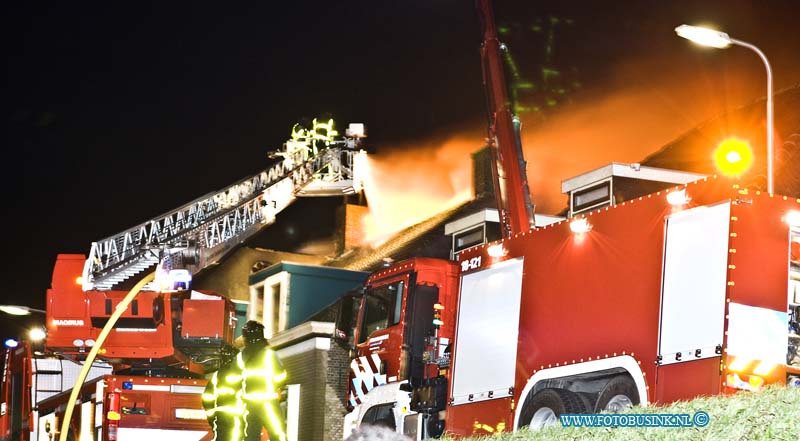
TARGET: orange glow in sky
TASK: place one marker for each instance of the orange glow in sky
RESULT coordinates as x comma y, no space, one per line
649,104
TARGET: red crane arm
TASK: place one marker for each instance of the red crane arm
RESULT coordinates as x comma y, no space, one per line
508,164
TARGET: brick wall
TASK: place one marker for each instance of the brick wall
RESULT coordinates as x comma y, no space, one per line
354,228
322,376
308,370
335,390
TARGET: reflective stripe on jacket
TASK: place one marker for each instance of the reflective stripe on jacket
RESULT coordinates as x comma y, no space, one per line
223,393
262,375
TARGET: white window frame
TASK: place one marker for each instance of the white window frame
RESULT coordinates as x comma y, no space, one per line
264,290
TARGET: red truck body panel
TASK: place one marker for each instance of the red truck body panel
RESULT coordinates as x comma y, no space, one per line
146,407
687,380
16,419
206,319
145,333
598,295
762,248
484,417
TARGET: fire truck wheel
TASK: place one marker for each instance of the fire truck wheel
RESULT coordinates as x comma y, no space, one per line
619,394
588,399
544,408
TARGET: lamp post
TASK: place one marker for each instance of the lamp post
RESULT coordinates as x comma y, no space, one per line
20,310
721,40
35,334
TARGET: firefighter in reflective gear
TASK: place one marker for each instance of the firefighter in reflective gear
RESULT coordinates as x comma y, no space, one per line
222,400
262,377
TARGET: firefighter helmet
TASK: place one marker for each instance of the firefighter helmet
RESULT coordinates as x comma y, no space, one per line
253,332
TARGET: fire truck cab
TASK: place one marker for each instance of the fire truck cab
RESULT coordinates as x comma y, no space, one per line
400,338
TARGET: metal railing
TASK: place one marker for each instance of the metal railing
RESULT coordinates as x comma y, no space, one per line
214,223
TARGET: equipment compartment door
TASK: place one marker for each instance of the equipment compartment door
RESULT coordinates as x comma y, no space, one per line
486,333
419,324
694,283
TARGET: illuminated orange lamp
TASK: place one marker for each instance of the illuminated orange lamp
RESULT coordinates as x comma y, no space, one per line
733,157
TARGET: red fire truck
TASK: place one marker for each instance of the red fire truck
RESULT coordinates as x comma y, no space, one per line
636,298
685,292
156,355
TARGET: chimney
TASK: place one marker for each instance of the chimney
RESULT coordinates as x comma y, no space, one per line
352,229
482,181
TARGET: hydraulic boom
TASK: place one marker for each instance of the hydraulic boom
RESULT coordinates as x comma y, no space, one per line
508,164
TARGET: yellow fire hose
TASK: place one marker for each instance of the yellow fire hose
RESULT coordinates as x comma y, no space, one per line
123,305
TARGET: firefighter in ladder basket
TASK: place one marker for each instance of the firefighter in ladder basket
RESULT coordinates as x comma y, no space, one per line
262,377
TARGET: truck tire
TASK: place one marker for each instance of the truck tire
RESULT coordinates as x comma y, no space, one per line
619,394
589,399
544,408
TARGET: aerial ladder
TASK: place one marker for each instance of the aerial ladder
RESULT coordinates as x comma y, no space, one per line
316,161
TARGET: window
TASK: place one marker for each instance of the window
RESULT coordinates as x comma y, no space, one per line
374,317
258,303
383,307
469,238
348,314
380,415
276,307
269,303
591,197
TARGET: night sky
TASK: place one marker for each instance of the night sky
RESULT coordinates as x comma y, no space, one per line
116,114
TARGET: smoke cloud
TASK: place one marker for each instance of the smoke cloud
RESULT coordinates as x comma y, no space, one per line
413,182
646,105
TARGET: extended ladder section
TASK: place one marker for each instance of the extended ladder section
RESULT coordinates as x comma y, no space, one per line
200,233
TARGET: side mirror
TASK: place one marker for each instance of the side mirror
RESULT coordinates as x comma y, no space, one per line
341,338
346,319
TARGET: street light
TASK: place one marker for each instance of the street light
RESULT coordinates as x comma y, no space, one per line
37,334
20,310
721,40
